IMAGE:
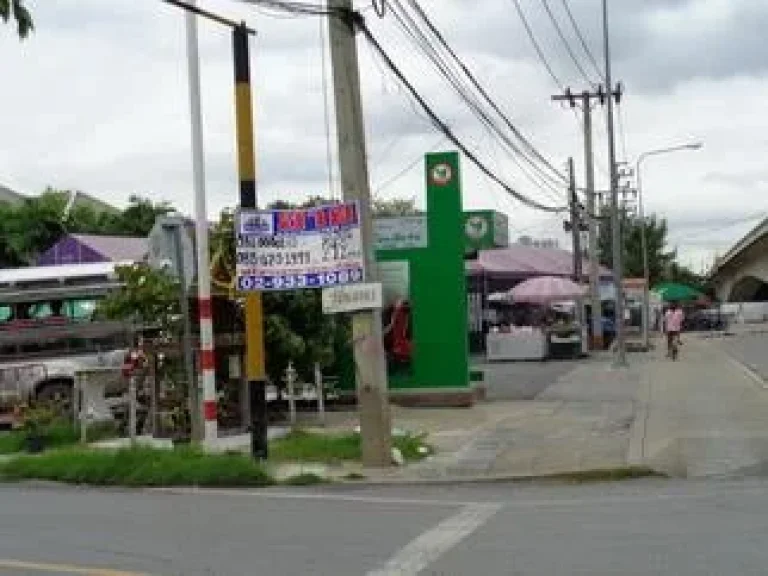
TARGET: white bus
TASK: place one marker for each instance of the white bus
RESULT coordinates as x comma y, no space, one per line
48,331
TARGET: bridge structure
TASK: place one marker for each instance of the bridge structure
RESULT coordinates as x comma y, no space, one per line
741,275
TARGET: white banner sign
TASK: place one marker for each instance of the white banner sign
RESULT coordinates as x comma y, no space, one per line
400,232
304,248
350,298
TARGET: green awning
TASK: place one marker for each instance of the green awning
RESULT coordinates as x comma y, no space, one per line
674,292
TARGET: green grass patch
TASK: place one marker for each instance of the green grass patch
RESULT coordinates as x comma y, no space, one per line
605,475
56,435
137,466
304,446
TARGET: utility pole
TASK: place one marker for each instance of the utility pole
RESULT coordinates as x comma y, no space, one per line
207,363
576,223
620,359
586,99
370,364
255,371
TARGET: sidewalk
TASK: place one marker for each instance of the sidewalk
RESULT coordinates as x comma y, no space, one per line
580,423
705,415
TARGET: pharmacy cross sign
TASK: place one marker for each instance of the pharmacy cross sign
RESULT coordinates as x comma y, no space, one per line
442,174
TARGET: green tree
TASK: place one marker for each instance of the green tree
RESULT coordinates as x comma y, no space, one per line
659,256
29,228
395,207
147,297
16,10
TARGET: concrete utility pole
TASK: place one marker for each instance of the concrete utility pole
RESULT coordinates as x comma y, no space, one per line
594,259
573,201
586,98
620,358
370,363
207,367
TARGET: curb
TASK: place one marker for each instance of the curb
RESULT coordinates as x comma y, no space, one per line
596,475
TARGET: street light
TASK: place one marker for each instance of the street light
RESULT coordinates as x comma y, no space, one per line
644,245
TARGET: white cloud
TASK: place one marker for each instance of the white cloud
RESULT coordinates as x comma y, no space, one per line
97,100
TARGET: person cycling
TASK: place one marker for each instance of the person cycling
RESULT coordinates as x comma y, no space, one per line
673,325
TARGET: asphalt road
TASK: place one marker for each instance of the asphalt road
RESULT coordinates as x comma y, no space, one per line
749,349
523,380
647,527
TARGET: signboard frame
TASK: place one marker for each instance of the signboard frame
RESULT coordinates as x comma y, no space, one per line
290,249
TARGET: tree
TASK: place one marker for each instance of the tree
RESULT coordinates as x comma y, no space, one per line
22,17
395,207
29,228
295,328
147,297
659,258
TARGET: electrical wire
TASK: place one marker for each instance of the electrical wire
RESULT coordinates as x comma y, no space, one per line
415,34
566,43
525,141
442,127
537,47
395,177
583,41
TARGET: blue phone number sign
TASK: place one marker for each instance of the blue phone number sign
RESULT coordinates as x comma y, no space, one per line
297,249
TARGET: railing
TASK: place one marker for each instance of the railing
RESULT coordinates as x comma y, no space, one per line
13,379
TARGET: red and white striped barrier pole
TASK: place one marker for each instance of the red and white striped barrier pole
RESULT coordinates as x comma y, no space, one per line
207,362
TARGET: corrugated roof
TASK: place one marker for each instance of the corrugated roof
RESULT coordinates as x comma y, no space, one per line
63,272
520,261
116,248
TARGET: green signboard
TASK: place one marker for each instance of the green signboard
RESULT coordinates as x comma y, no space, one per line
424,298
485,229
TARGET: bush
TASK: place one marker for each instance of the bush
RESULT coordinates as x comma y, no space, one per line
55,434
138,466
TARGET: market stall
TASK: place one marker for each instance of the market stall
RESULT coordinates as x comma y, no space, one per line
543,321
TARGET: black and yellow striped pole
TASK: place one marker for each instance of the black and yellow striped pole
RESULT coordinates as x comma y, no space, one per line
255,370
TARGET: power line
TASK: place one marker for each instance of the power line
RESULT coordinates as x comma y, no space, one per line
583,41
526,142
536,45
444,128
394,178
565,42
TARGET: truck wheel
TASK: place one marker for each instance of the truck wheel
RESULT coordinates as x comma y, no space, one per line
57,396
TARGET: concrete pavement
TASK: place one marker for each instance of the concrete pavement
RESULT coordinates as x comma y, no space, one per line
704,415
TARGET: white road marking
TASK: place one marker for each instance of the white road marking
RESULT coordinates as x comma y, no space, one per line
508,501
436,541
324,497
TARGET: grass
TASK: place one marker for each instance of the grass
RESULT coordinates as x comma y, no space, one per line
56,435
137,466
303,446
604,475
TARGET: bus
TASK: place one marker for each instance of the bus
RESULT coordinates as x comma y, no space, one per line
49,330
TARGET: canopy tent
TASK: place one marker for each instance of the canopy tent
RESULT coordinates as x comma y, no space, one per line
547,289
518,262
674,292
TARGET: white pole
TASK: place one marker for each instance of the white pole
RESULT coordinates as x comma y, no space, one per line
207,365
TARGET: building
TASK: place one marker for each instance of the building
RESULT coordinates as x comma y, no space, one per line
91,248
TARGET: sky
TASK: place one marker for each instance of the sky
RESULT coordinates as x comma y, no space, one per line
97,100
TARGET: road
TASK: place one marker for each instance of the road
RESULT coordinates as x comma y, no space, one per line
645,527
750,349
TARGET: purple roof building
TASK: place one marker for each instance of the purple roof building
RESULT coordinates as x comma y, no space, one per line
88,248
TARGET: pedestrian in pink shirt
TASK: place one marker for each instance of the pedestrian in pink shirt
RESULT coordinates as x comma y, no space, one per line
673,325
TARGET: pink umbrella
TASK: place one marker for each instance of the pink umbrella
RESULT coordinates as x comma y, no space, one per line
546,289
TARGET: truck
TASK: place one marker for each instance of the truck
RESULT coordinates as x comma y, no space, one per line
50,329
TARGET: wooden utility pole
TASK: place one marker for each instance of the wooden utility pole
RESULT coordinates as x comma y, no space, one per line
370,363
